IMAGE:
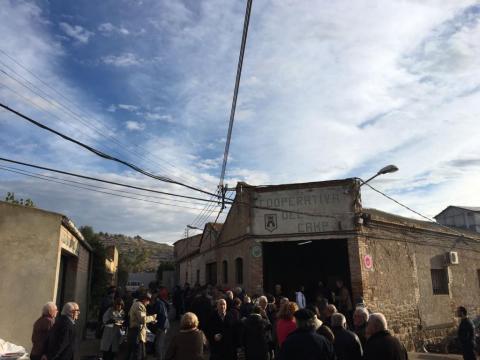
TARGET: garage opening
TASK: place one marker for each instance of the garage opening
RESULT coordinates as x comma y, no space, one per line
292,264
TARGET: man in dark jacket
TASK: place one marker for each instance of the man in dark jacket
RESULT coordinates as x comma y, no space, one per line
220,334
61,340
202,307
360,319
381,345
41,329
347,344
466,334
256,336
304,343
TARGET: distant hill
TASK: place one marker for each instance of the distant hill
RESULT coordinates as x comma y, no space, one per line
157,252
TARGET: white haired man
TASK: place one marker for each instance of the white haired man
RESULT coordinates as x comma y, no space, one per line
360,319
61,339
347,344
381,345
41,328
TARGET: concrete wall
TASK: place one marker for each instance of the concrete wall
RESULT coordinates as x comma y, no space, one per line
333,199
29,249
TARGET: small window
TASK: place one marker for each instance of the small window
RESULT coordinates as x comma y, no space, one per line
478,277
186,276
225,272
239,270
440,281
198,276
211,273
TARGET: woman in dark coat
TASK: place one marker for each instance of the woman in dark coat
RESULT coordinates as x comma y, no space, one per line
189,343
256,336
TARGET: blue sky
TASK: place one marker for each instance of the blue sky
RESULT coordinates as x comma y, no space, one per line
329,90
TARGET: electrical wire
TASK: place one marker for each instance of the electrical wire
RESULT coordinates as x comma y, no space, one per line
152,156
103,180
235,91
102,154
53,178
100,191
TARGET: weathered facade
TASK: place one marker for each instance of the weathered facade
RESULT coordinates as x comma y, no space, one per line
43,257
298,234
466,217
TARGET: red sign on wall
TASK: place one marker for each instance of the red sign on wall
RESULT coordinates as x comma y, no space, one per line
368,262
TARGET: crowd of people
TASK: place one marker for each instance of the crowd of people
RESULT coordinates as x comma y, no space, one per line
231,325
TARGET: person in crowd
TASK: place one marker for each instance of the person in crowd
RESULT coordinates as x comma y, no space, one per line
107,302
286,321
247,307
189,343
278,294
360,319
161,309
304,343
137,331
267,303
347,344
381,345
229,298
235,309
322,292
202,307
187,296
41,328
327,314
262,302
113,320
220,333
239,293
466,334
300,297
344,300
321,328
177,300
61,339
256,336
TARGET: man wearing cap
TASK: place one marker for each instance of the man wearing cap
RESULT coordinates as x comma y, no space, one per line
137,331
304,343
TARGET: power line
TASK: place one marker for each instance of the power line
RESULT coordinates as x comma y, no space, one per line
235,91
53,178
103,180
412,210
75,106
102,154
99,191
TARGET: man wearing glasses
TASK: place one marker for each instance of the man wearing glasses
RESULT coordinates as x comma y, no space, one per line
61,339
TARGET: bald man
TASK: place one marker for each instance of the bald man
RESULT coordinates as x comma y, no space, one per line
220,333
381,345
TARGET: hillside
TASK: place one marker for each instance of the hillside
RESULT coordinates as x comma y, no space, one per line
128,245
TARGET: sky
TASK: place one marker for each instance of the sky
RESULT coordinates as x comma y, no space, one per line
329,90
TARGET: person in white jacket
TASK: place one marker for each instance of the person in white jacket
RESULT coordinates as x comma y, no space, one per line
300,297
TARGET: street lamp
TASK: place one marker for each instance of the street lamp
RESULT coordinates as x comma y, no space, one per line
385,170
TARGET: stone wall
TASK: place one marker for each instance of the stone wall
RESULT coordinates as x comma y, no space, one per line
400,284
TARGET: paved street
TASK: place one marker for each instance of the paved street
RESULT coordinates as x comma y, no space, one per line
420,356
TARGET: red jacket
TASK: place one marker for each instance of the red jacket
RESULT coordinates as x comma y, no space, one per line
284,327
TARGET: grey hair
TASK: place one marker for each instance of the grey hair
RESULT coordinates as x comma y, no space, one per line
378,321
68,307
338,320
264,298
364,312
47,307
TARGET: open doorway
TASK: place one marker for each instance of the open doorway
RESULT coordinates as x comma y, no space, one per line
295,263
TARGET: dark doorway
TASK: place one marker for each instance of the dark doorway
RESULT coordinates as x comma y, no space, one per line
211,273
292,264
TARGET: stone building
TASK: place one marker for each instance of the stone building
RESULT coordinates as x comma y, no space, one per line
43,257
415,272
465,217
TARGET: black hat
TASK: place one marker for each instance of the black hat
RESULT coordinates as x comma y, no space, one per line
304,314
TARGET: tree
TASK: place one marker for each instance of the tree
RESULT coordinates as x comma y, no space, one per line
11,199
99,272
164,265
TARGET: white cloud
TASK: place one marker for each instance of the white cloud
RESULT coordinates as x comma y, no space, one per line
108,28
123,60
127,107
158,117
76,32
135,125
